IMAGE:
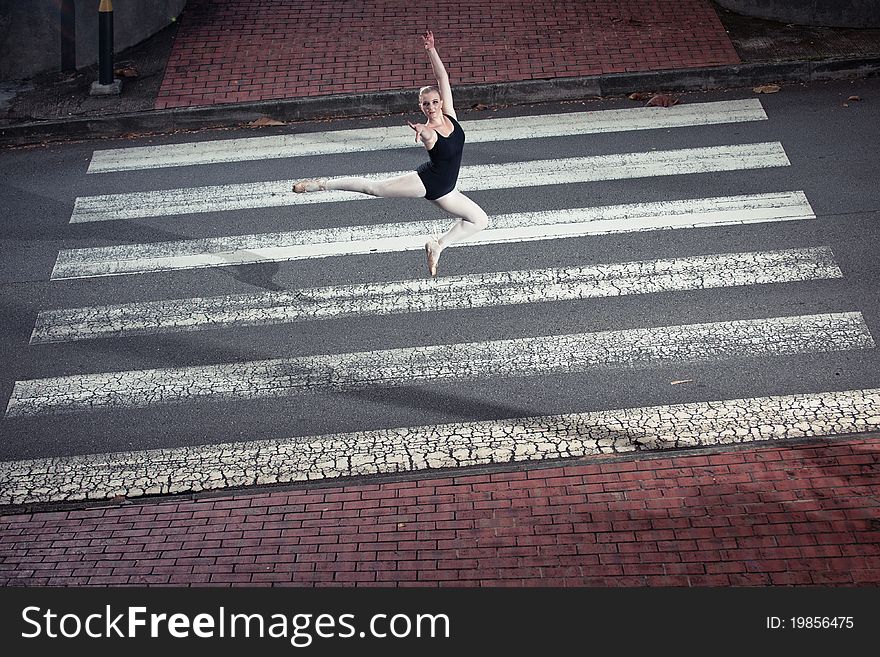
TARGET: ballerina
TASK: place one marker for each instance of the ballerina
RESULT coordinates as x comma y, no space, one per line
435,180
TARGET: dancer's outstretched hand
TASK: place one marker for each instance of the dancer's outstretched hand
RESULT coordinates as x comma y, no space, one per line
419,128
429,40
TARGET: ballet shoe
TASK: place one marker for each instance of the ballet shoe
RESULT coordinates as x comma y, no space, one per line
311,185
432,252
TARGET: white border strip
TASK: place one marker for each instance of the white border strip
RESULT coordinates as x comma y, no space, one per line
425,448
520,357
388,238
223,198
446,293
398,137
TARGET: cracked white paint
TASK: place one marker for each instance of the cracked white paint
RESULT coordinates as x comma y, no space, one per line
409,449
618,166
408,236
397,137
445,293
468,361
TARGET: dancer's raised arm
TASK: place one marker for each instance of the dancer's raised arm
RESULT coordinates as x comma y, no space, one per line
440,74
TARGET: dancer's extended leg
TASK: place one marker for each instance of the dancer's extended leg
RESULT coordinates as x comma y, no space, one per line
472,219
406,186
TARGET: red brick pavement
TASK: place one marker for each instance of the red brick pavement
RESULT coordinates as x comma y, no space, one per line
229,51
798,514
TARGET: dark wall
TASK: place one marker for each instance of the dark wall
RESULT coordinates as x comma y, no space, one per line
52,35
825,13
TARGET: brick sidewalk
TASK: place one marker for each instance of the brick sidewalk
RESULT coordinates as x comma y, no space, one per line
229,51
796,514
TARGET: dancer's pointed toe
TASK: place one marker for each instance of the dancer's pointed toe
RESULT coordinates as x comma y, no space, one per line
432,251
310,185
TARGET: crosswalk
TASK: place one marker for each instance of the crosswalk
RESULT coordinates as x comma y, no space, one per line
75,390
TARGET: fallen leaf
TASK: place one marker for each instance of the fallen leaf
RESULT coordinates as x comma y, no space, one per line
680,381
854,98
662,100
264,121
766,89
479,107
638,95
126,72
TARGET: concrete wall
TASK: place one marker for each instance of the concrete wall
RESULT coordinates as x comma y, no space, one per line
37,36
825,13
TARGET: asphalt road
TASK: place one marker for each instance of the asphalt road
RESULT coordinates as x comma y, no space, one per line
830,142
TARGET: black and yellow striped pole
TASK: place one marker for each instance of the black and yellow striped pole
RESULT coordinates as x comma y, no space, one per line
105,42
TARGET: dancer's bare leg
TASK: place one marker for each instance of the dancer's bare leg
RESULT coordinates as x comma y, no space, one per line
471,219
406,186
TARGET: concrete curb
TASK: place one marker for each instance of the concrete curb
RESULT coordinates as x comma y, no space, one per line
397,101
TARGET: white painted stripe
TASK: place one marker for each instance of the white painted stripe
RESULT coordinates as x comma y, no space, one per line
388,238
445,293
396,137
421,448
470,361
279,193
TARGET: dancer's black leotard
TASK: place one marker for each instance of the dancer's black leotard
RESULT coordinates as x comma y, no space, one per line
440,174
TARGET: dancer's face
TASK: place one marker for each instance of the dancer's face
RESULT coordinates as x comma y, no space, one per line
431,105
